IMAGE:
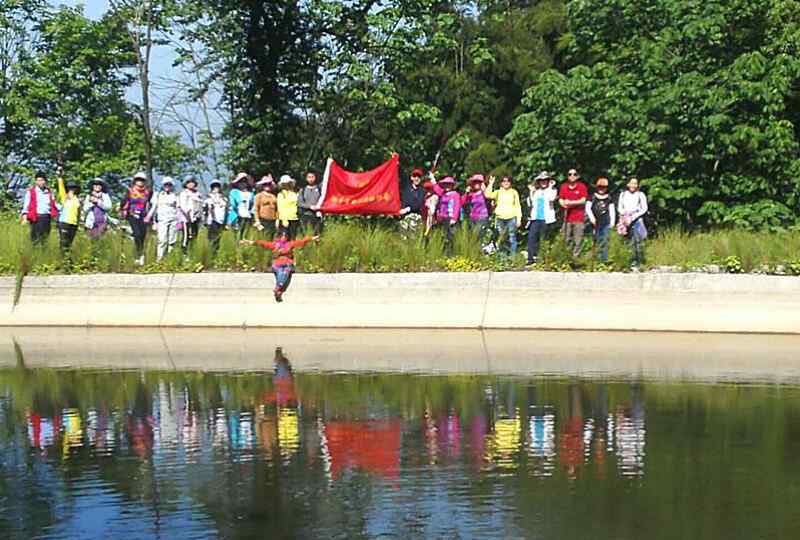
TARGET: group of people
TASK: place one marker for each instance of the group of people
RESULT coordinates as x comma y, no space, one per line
279,210
498,213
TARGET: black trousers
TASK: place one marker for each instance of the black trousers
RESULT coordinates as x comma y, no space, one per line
537,233
66,235
139,231
189,234
40,229
268,231
449,232
310,221
214,233
244,226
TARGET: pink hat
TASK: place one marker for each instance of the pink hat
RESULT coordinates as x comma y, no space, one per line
266,180
475,178
448,180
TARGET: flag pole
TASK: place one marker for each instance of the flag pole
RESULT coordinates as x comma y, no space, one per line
325,178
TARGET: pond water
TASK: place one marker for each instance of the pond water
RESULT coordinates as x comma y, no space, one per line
290,453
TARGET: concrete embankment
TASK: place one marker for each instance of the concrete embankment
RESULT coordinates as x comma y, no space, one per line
552,353
484,300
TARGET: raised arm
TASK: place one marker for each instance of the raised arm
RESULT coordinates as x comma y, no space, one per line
62,190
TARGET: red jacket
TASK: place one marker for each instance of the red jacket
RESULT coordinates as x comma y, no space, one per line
32,216
282,251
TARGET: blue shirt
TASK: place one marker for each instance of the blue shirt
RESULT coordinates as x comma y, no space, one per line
539,214
42,201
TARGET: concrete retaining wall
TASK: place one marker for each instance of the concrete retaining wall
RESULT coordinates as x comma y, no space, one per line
616,355
509,300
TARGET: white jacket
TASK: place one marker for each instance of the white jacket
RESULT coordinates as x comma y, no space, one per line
191,205
632,204
164,206
550,195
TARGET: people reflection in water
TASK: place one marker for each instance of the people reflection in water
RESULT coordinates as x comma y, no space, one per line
570,439
578,428
284,429
630,434
503,443
140,422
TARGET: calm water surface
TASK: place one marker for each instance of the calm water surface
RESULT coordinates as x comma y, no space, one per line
284,454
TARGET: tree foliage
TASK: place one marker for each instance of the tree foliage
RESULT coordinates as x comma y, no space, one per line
699,99
64,100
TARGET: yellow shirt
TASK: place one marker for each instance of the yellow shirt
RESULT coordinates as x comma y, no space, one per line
70,205
287,206
508,206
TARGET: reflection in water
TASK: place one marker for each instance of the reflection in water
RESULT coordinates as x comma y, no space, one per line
315,455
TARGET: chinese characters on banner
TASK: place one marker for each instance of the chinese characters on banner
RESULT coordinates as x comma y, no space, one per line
367,193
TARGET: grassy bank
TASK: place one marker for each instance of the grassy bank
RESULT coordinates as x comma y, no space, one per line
378,246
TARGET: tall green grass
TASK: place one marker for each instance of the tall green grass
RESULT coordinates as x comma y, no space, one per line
365,245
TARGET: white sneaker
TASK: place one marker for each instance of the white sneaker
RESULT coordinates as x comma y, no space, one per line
140,261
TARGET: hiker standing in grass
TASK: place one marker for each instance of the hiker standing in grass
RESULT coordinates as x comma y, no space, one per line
309,203
475,200
240,204
429,208
69,213
572,198
448,210
96,206
508,212
283,258
265,207
190,204
412,203
216,208
602,215
164,212
287,206
541,202
632,207
135,208
39,209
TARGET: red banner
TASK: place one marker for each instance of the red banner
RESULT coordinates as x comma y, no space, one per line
373,192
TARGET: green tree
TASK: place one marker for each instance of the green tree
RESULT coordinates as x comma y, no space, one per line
698,99
68,106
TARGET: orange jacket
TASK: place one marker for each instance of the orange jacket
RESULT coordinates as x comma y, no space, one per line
282,251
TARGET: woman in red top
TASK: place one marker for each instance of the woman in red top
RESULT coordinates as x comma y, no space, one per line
283,261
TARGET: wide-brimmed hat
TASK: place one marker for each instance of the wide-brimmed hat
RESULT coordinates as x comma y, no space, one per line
602,182
286,179
476,179
167,180
242,176
214,183
448,180
544,175
72,184
189,178
140,176
97,182
266,180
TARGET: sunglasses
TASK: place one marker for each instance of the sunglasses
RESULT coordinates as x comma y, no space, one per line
573,174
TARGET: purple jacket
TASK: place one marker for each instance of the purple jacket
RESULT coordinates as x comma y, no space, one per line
449,204
477,205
